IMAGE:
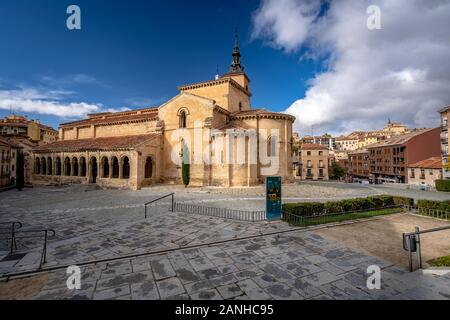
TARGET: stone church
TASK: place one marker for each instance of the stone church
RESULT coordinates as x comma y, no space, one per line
228,142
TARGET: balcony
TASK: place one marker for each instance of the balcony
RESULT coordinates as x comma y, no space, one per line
444,127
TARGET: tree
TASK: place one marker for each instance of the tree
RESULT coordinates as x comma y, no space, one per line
335,171
185,165
20,171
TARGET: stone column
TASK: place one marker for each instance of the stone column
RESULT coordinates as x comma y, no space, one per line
110,163
121,168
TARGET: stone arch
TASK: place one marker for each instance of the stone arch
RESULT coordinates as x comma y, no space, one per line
67,166
126,167
115,167
83,167
75,166
148,167
105,167
49,166
37,166
94,169
58,166
43,166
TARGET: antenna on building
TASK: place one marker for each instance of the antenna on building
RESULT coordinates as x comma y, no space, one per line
217,77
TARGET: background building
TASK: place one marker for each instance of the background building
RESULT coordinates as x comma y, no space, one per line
445,113
20,126
425,172
314,162
390,158
8,166
359,165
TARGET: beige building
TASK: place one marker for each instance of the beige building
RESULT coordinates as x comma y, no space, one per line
314,162
425,172
15,125
8,159
445,115
228,142
346,143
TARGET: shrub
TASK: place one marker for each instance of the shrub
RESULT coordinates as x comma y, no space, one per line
305,209
348,205
435,205
443,185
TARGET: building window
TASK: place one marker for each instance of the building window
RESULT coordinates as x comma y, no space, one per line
422,174
148,168
320,153
182,119
126,168
413,175
308,153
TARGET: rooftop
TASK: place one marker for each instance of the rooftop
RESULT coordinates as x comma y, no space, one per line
399,139
430,163
312,146
110,143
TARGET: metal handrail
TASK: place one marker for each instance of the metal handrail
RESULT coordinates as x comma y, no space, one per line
13,232
46,235
411,243
160,198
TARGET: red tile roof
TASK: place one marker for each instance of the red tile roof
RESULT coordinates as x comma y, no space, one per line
311,146
109,117
430,163
261,112
110,143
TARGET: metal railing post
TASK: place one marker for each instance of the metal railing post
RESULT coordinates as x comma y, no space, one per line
418,252
172,201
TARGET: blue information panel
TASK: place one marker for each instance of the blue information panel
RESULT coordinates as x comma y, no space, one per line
273,198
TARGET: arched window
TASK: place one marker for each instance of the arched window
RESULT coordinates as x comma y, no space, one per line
272,146
75,167
58,166
182,117
49,166
240,106
126,168
115,167
148,167
105,166
37,168
83,167
43,166
67,166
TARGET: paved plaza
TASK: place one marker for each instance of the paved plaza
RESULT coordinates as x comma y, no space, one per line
185,256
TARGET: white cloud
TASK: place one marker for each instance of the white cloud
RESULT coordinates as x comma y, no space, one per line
401,71
25,99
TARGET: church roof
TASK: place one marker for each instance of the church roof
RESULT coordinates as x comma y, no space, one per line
116,117
107,143
261,113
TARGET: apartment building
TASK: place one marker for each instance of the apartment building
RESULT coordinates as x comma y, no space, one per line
359,165
390,158
445,115
314,162
16,125
347,143
8,159
425,172
325,140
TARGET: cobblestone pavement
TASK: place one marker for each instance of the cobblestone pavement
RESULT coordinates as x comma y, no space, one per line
298,265
94,224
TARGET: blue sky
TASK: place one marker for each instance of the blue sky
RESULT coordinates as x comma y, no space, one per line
135,53
314,59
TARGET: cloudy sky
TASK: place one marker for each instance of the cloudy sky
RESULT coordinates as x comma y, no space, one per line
314,59
400,71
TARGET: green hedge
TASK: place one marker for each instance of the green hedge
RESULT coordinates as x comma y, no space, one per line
436,205
442,185
348,205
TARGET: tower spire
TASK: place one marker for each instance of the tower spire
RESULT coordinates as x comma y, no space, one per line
236,66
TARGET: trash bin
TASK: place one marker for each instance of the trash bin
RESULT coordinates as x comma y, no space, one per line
409,243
